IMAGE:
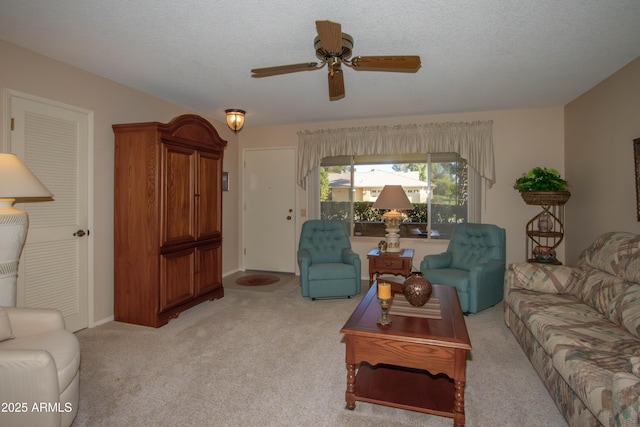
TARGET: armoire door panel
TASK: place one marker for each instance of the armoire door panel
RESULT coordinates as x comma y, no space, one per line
208,272
209,193
177,278
178,205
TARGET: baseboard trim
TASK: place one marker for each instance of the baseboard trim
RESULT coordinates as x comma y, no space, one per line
103,321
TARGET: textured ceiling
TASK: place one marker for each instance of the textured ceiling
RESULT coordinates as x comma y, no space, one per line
476,54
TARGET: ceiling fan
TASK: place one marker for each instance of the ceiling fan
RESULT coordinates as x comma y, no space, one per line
333,48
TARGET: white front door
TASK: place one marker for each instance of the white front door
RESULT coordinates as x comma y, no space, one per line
53,141
269,210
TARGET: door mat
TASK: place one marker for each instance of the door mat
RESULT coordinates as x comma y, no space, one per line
257,279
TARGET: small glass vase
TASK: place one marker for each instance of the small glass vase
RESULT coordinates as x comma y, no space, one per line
416,289
544,222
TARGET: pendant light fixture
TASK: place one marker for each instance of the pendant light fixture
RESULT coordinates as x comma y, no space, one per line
235,119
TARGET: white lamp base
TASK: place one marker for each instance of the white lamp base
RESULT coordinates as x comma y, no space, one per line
392,221
13,232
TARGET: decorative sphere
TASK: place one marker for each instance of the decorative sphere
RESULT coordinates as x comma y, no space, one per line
416,289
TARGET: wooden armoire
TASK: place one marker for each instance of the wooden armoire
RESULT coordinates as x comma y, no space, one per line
168,218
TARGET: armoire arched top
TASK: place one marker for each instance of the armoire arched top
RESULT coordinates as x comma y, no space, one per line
190,127
195,128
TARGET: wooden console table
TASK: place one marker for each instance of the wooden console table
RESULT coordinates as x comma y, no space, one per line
415,363
396,263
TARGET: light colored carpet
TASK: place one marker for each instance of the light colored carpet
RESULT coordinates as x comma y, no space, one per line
274,358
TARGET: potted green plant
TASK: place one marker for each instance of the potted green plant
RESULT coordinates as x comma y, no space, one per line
543,186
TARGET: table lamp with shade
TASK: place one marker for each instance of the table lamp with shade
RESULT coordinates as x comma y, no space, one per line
394,198
16,182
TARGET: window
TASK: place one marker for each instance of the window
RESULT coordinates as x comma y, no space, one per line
438,186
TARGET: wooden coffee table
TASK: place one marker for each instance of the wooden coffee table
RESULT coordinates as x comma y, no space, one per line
414,363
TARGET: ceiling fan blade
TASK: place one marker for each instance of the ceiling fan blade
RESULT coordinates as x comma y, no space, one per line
336,85
283,69
330,34
408,63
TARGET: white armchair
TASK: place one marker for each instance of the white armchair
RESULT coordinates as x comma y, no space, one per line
39,368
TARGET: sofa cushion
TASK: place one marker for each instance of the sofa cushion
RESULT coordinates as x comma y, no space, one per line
5,325
561,321
599,289
625,310
61,344
552,279
616,253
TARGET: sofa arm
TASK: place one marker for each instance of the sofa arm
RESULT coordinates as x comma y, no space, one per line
547,278
27,321
28,378
442,260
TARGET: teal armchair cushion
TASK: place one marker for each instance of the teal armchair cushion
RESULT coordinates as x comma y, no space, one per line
474,264
329,268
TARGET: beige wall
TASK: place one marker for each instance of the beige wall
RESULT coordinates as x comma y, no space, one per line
600,126
522,139
34,74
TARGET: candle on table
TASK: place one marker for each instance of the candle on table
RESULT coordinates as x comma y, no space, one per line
384,290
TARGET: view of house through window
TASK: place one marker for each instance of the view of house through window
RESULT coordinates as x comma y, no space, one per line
436,185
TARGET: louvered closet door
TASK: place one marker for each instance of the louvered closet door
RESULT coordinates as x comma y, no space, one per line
53,141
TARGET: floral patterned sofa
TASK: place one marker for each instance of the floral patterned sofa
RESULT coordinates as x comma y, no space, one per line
580,328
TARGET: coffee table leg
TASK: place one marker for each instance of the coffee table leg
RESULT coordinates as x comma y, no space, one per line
350,395
458,404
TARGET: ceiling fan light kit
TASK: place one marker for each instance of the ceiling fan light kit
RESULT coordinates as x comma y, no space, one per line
334,48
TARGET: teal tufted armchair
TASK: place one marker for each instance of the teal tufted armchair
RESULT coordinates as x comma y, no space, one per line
474,263
328,266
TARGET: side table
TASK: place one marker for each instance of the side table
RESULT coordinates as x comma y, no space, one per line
396,263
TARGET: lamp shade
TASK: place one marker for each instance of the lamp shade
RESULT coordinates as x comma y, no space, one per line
17,181
393,197
235,119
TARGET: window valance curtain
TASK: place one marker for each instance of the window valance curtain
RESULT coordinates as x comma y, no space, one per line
472,141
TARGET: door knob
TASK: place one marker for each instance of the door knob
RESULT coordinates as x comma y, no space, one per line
289,217
81,233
